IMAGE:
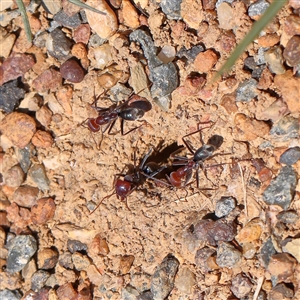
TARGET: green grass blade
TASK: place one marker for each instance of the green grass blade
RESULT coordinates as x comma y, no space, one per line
83,5
25,19
258,26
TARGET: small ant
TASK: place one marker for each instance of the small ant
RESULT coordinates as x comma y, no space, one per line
181,177
132,109
130,182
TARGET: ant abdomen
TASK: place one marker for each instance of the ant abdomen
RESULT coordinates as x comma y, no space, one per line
92,125
122,188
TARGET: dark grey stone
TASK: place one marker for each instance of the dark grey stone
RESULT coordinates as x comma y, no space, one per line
266,251
96,41
10,95
191,53
290,156
65,20
224,206
288,217
38,174
227,255
10,295
246,90
25,156
281,189
162,281
171,8
38,279
147,295
20,250
286,128
76,246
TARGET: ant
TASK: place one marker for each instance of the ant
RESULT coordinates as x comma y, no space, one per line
182,176
132,109
130,182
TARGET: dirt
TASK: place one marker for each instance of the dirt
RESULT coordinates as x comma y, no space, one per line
81,166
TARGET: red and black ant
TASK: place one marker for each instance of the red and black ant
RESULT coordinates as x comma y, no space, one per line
131,110
130,182
182,176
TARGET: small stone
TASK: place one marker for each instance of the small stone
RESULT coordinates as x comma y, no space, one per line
282,189
95,41
258,8
228,102
79,51
129,293
42,139
65,260
10,295
291,52
290,156
76,246
39,279
98,246
130,15
19,128
26,196
104,25
241,286
80,261
67,21
205,259
10,95
286,128
274,60
20,250
53,6
162,282
214,231
126,262
274,112
6,44
43,211
288,217
19,216
16,65
281,292
47,258
250,232
38,174
227,255
224,206
167,54
246,90
29,269
66,291
292,248
171,9
205,61
248,129
58,45
25,155
185,281
292,24
49,80
282,267
249,250
44,115
14,177
267,250
192,13
227,42
72,71
82,33
190,54
268,40
226,16
101,56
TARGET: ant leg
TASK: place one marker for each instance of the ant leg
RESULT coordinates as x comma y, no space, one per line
106,197
133,129
110,127
146,156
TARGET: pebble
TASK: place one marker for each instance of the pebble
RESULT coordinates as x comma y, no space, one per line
246,90
281,291
10,281
48,80
249,250
44,116
47,258
14,177
104,25
67,21
282,189
258,8
16,65
266,251
29,269
205,259
260,57
205,61
39,279
192,13
80,261
292,247
227,255
58,45
228,102
185,281
10,295
171,8
129,15
224,206
126,262
26,195
291,52
241,286
291,25
129,293
250,232
214,231
98,246
42,139
290,156
72,71
274,59
288,217
95,41
6,44
19,128
226,16
24,156
286,128
10,95
38,174
167,54
65,260
43,211
190,54
76,246
162,281
248,129
66,291
82,33
281,268
102,56
146,295
20,250
19,216
53,6
268,40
